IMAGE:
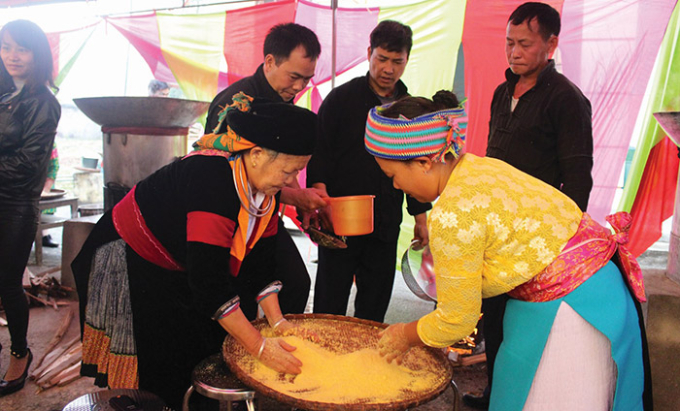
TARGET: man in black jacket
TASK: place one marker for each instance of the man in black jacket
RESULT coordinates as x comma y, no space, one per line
340,166
541,124
290,55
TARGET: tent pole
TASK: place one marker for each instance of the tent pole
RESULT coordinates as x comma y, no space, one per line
334,7
670,123
673,267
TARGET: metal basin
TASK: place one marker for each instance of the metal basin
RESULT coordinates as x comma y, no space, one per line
141,111
670,122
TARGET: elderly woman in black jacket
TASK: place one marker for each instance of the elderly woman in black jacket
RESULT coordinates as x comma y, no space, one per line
187,256
29,114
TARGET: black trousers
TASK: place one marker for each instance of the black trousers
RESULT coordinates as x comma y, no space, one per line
366,260
292,272
18,225
494,311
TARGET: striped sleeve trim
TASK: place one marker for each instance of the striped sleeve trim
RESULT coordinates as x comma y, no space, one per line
272,288
227,308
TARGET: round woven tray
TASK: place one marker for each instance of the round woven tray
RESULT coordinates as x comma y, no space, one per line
343,335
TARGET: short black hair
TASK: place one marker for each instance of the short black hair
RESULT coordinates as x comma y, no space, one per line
392,36
29,35
282,39
547,17
412,106
156,85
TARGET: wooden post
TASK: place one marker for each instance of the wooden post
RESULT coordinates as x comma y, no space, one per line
673,269
670,123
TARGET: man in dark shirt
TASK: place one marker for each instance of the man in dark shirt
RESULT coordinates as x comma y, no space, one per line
290,55
541,124
341,166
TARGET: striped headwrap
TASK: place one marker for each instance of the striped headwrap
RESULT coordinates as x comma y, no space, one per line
432,135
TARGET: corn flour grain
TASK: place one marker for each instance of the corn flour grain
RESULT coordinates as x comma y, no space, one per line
362,376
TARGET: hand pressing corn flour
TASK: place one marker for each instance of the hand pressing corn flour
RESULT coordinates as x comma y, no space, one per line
357,377
341,367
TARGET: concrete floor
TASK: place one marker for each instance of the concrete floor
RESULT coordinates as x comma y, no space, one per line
663,329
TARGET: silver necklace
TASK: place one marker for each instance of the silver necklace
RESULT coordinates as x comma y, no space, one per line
249,201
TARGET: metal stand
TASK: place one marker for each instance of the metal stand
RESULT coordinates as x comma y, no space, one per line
456,396
211,378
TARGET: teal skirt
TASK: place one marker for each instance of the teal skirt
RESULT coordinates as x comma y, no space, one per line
605,302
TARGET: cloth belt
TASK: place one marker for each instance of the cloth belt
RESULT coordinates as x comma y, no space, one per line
586,252
130,224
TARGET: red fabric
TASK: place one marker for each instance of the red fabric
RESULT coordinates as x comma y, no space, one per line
53,39
142,32
130,225
244,33
655,197
272,226
353,29
316,100
210,228
608,49
234,266
485,62
291,213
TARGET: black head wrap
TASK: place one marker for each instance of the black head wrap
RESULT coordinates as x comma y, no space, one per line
281,127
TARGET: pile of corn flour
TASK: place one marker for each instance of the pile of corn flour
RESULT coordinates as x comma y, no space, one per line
358,377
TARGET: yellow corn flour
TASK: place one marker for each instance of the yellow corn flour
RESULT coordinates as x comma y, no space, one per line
362,376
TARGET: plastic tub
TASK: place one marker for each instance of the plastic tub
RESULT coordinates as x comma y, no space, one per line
352,215
90,163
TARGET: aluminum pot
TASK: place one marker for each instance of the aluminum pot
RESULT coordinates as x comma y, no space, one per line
141,135
141,111
129,158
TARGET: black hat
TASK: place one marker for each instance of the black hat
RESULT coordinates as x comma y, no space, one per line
282,127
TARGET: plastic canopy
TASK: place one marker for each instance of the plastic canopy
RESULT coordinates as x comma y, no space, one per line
607,47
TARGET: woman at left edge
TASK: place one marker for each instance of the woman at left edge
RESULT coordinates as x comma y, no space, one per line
29,114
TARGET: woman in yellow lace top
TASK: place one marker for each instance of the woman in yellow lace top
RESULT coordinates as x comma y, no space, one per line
495,228
573,338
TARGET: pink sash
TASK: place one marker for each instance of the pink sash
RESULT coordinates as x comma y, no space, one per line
586,252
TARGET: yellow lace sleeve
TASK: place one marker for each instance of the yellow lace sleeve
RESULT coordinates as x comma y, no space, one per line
458,260
492,229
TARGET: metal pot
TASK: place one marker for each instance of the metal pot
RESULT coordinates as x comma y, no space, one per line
141,135
129,158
